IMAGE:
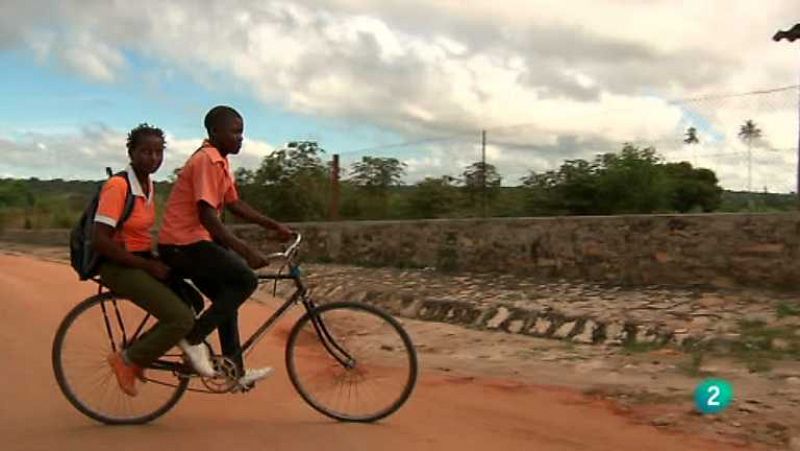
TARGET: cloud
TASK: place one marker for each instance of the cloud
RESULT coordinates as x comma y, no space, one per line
583,70
347,64
80,53
20,17
85,153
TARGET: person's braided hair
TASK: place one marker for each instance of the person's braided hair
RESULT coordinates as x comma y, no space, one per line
142,130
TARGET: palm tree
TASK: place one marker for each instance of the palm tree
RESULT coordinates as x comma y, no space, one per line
748,133
691,139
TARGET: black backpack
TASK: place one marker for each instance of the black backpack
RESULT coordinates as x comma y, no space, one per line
83,257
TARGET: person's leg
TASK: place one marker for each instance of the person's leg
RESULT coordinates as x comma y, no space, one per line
228,330
224,278
229,340
187,294
175,319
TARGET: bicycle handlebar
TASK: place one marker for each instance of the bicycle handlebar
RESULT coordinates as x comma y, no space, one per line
289,252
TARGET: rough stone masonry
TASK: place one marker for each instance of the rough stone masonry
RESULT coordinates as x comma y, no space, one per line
756,250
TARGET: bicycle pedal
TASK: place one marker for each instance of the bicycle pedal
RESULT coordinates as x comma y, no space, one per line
242,388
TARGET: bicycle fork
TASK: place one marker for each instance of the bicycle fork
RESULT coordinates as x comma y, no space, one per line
328,341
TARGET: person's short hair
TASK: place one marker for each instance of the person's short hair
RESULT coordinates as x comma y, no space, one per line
142,130
218,114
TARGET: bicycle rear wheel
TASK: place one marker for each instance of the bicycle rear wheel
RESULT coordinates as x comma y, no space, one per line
95,328
351,361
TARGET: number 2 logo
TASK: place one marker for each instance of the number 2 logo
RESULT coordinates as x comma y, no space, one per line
714,392
713,396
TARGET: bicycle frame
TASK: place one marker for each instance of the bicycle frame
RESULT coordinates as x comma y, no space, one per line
300,294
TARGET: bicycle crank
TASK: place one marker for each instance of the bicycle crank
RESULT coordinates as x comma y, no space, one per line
227,377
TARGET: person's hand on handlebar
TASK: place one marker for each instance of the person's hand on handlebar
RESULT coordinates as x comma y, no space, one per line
255,259
284,233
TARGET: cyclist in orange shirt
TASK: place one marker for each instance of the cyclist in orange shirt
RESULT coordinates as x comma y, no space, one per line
195,243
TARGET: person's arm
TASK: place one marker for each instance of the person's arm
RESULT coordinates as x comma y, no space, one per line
244,211
105,246
109,211
221,234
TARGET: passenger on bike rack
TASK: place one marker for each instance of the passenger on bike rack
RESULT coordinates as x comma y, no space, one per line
128,267
194,242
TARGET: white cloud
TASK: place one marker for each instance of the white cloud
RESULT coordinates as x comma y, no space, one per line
94,59
81,53
578,73
85,153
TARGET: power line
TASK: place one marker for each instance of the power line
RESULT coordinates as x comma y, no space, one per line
728,96
408,143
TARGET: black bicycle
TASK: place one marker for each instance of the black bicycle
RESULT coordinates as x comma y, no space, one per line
348,360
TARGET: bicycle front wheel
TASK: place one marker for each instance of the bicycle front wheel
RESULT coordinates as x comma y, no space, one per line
351,361
94,329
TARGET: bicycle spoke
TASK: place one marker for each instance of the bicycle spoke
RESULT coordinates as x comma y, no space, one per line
80,350
377,384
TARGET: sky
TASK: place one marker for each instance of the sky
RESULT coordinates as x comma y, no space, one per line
410,79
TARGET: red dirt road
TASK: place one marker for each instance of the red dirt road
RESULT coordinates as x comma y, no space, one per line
445,412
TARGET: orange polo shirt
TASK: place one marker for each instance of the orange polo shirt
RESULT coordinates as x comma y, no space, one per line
134,235
206,176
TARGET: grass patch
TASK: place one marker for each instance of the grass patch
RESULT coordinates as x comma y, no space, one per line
751,324
784,309
568,345
760,336
756,362
758,346
691,367
637,347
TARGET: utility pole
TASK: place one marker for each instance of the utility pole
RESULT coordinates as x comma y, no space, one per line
333,214
791,35
483,173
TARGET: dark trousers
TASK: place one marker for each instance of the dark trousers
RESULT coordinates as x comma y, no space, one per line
225,279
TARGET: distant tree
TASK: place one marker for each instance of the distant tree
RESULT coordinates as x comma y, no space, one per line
692,188
376,174
691,139
635,180
373,177
479,178
631,181
572,189
433,197
15,193
292,183
173,176
248,189
244,176
691,136
749,132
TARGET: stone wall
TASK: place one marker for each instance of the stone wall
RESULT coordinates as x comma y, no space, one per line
44,237
718,249
758,250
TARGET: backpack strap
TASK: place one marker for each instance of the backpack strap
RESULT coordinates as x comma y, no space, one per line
129,200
